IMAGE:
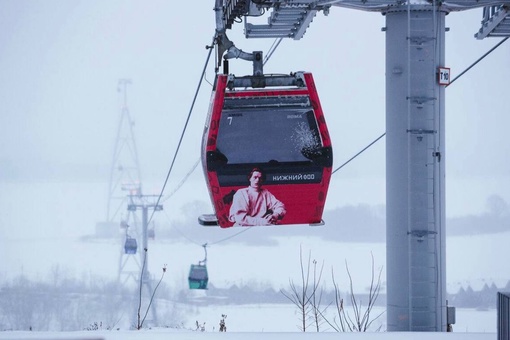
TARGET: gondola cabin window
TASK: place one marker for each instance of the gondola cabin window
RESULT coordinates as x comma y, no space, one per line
262,136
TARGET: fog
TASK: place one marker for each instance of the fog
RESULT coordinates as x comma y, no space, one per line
61,61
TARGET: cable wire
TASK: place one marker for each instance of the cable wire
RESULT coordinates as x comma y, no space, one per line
273,47
454,79
232,236
477,61
245,229
180,232
182,181
356,155
183,132
271,50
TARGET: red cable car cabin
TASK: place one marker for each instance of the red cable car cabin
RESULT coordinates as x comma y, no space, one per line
273,124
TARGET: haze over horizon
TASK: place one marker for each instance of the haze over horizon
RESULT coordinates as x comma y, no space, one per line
62,60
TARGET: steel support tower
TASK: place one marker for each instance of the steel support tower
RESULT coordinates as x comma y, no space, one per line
125,174
415,133
125,198
125,177
144,281
415,196
125,182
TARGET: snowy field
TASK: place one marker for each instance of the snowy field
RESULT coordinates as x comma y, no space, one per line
284,318
160,334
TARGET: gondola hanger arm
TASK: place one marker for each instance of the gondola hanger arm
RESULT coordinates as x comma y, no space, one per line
204,261
227,49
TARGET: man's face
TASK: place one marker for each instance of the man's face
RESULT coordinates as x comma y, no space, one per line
256,180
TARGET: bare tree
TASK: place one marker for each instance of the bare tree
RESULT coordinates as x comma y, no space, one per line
308,297
339,325
308,300
317,310
361,318
140,319
300,296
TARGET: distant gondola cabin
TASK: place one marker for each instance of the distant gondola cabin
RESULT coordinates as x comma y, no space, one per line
198,277
130,246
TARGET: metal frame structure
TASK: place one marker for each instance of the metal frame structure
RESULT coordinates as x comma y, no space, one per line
291,18
415,133
124,199
143,279
125,174
503,316
495,22
125,181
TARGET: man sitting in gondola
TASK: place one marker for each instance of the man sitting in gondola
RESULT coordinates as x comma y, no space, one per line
255,205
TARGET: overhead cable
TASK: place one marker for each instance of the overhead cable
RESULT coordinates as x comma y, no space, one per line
244,229
232,236
454,79
356,155
478,60
183,130
183,181
275,45
271,50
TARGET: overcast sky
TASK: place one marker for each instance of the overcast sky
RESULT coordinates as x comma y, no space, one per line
61,60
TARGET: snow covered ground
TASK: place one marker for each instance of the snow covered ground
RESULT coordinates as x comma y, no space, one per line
165,334
284,318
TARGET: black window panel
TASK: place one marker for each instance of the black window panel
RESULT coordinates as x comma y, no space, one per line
262,135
